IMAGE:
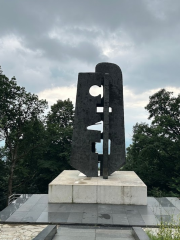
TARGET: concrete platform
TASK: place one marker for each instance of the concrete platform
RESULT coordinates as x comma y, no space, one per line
122,187
35,209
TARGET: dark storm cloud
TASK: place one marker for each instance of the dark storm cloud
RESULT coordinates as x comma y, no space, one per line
136,17
82,27
34,19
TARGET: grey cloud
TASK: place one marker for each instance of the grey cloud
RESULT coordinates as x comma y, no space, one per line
34,19
37,17
88,22
160,67
54,49
31,18
88,51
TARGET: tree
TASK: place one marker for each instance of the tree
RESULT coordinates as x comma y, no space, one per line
41,165
155,150
26,175
18,109
59,127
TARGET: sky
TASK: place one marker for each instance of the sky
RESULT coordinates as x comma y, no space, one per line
45,44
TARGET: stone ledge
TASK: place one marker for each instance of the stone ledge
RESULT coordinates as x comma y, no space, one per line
139,234
47,234
122,187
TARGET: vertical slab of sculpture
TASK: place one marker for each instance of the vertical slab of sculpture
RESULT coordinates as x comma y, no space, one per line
83,156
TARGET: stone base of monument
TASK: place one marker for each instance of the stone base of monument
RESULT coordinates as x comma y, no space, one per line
122,187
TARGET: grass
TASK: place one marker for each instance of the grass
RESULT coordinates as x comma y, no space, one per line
166,231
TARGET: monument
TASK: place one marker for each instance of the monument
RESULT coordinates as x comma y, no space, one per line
84,185
83,156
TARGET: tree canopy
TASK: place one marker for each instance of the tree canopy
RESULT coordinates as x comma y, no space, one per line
155,150
57,148
37,147
17,109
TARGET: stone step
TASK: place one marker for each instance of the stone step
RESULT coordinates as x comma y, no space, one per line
85,233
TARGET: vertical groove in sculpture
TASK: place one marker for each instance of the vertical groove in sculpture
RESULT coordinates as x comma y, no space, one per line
83,156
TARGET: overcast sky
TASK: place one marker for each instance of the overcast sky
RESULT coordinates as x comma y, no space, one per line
45,44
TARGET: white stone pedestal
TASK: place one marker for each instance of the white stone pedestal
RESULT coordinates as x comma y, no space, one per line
122,187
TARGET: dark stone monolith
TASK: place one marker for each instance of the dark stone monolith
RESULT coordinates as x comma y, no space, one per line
83,156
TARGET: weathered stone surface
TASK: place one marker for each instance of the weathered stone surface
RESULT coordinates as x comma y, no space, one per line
83,156
105,126
116,117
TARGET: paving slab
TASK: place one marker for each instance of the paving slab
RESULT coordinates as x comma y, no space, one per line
30,217
175,201
61,217
52,207
145,210
75,217
164,218
89,217
172,210
105,218
164,202
150,220
135,220
63,207
120,219
106,233
118,209
151,201
76,232
17,216
74,238
46,217
159,210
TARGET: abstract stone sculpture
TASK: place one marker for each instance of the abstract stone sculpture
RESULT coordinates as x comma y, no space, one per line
83,156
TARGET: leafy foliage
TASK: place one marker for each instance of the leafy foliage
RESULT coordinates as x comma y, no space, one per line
27,173
37,148
17,109
155,150
57,148
44,163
